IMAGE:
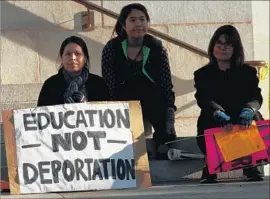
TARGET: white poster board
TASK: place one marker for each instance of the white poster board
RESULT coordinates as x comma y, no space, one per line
74,147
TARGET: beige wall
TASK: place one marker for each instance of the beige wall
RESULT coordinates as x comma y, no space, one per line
260,12
31,39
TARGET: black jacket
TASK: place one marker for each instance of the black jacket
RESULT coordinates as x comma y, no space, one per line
114,66
229,91
52,91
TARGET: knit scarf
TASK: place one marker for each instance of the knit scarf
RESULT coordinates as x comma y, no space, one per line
75,83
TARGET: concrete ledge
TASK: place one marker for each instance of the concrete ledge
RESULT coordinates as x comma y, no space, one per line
165,170
17,105
12,93
185,143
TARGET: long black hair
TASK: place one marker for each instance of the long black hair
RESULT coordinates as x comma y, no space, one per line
76,40
232,37
126,10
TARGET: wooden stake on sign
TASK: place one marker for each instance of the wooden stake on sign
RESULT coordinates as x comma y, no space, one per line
11,155
141,159
142,173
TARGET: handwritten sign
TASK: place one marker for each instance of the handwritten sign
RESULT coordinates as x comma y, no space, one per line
239,143
75,147
216,161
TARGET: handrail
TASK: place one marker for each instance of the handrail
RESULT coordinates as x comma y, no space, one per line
89,5
159,34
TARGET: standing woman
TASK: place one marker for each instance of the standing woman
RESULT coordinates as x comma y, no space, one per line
135,66
227,91
73,83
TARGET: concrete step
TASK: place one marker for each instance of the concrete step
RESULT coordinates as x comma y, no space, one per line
166,170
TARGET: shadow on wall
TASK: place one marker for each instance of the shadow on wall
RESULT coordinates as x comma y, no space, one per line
45,37
42,36
183,87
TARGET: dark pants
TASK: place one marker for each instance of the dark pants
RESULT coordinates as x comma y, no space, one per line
153,106
201,143
154,110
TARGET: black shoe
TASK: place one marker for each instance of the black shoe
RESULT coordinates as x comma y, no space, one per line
162,152
253,174
208,178
161,156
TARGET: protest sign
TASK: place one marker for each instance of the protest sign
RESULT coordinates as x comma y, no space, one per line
215,158
239,143
76,147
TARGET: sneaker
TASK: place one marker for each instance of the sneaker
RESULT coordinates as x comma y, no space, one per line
253,174
208,178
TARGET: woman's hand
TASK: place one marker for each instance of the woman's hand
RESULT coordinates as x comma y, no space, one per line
170,129
78,97
245,118
223,120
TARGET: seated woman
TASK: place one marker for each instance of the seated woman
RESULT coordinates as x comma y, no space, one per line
227,91
73,83
135,66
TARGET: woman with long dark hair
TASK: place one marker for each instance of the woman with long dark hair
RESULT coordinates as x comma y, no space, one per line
135,66
227,91
73,83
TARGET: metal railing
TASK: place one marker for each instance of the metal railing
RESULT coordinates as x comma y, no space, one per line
198,51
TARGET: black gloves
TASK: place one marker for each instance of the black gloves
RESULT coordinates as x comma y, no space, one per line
170,122
76,97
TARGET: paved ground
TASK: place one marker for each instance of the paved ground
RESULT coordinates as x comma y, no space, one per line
180,190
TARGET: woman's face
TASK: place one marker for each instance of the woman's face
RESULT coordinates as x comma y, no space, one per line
73,58
136,24
223,51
